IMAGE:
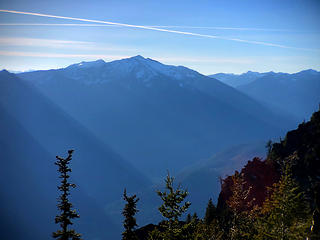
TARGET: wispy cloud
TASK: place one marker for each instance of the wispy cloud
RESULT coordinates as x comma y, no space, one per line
38,42
159,29
169,60
212,60
61,55
54,43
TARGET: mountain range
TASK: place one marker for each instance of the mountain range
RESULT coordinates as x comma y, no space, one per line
296,94
236,80
129,121
157,116
33,132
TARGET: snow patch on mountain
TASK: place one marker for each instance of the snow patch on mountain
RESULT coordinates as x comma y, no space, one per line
91,64
142,69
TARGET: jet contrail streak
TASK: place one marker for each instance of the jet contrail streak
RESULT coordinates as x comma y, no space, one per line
155,26
155,29
229,28
56,24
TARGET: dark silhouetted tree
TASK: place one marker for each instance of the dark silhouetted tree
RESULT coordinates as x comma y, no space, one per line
188,218
315,226
269,146
64,206
210,213
129,211
195,217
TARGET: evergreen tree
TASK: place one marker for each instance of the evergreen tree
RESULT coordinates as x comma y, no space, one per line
210,212
315,226
188,218
172,208
286,213
64,206
195,217
129,211
269,147
172,199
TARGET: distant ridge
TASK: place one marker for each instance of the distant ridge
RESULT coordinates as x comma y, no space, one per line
236,80
297,93
151,113
130,121
33,131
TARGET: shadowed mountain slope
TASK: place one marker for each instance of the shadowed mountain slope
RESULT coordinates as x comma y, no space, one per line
33,131
157,116
296,93
202,180
29,191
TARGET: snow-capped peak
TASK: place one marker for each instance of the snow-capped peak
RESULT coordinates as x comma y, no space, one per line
143,69
147,66
90,64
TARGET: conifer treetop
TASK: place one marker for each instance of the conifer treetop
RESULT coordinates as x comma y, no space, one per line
64,206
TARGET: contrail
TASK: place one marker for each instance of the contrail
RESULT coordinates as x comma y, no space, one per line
229,28
155,26
57,24
155,29
159,26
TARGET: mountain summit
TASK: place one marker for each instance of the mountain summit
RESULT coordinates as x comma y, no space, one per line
137,67
236,80
129,121
91,64
297,93
155,115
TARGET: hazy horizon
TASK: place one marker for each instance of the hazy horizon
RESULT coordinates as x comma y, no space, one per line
210,37
235,73
223,95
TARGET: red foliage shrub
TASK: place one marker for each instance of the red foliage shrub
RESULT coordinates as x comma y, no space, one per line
258,175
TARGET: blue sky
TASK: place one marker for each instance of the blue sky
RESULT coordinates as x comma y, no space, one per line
228,36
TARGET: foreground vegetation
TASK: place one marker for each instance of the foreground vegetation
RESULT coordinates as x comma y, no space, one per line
275,198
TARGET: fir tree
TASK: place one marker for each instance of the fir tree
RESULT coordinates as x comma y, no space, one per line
64,206
285,212
315,226
172,208
172,199
188,218
210,212
129,211
195,217
269,147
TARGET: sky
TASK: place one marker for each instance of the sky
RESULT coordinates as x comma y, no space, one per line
209,36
